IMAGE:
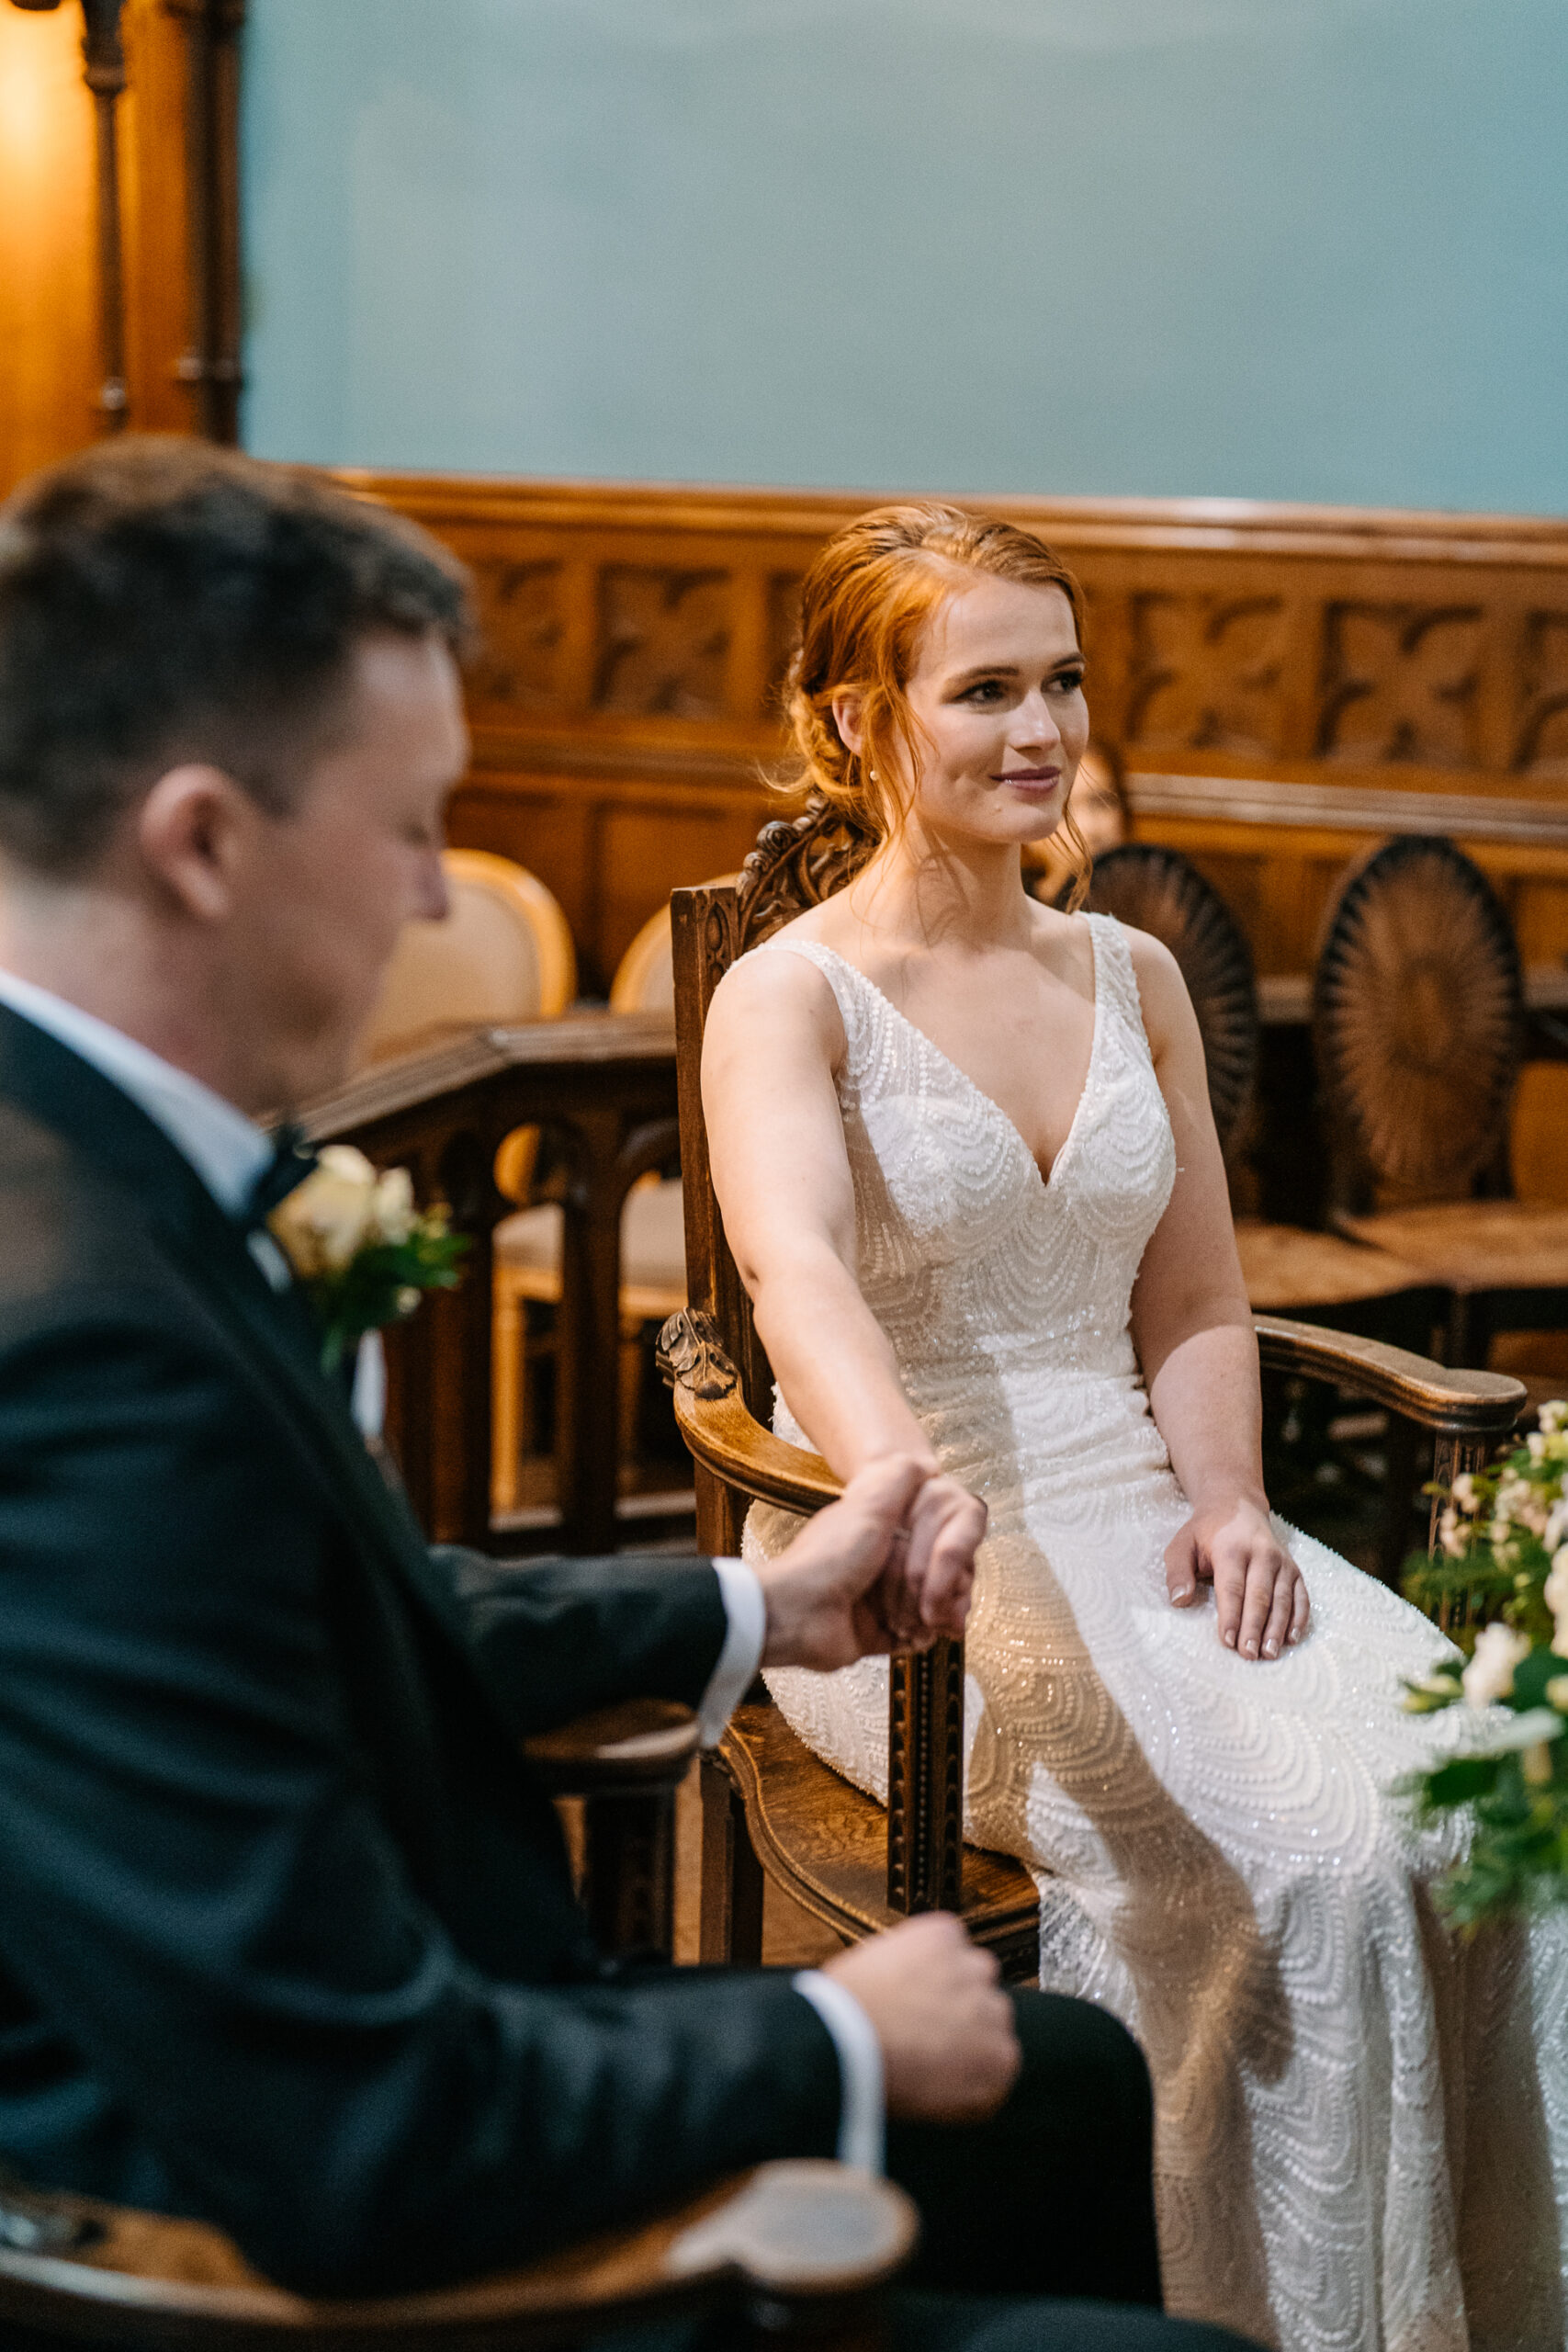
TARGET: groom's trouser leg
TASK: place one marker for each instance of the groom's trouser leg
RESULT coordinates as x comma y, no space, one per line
1054,2194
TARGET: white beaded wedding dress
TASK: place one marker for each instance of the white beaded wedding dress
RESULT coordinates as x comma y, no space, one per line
1360,2118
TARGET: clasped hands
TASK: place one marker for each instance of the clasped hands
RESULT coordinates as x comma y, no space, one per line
889,1566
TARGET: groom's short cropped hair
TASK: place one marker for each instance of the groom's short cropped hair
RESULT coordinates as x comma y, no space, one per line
163,601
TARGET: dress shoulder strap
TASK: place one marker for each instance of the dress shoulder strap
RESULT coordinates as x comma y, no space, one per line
1115,981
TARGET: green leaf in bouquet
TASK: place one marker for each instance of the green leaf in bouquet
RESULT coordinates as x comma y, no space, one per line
1460,1780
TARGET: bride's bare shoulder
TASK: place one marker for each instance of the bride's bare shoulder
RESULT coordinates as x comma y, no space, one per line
770,1001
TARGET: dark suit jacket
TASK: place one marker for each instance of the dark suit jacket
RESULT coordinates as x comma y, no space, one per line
288,1938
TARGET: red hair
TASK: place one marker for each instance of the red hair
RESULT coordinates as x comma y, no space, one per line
864,604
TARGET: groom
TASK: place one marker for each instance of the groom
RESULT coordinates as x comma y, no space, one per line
288,1938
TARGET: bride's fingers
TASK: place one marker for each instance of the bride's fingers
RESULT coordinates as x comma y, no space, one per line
1281,1609
1301,1609
1265,1569
950,1575
1228,1570
1181,1569
898,1593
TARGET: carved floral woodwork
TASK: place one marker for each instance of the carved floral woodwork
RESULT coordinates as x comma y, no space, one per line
1542,749
1207,672
1286,686
663,635
1399,684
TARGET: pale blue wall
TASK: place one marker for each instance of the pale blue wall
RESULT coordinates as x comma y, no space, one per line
1310,249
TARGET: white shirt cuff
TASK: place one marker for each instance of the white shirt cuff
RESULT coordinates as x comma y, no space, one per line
861,2116
368,1403
745,1633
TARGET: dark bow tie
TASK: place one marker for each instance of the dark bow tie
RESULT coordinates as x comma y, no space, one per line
292,1161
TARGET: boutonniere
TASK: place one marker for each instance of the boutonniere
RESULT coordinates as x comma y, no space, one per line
362,1249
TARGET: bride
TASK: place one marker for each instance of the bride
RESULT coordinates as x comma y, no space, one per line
963,1146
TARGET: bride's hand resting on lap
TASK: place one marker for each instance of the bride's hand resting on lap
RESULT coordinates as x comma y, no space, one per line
1260,1598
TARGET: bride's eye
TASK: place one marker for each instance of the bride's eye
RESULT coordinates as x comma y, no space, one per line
1066,682
986,690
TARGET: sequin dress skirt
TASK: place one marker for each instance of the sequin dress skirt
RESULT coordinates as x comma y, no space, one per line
1362,2121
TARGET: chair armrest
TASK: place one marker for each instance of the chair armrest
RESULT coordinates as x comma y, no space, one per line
1474,1405
800,2234
720,1430
644,1744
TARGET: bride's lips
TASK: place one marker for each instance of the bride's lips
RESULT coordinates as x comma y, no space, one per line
1036,783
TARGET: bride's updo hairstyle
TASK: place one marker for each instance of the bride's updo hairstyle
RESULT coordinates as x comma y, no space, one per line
863,604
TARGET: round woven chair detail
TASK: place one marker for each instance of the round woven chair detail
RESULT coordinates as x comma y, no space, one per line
1157,890
1417,1021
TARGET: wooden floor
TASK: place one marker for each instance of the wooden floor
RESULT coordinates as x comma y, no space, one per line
791,1938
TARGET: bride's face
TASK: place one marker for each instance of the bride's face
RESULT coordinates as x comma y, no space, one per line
997,696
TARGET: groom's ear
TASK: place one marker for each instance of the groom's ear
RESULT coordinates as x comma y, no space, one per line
848,713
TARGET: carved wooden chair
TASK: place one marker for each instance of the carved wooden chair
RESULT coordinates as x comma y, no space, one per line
801,2248
1418,1028
1289,1269
770,1804
790,2251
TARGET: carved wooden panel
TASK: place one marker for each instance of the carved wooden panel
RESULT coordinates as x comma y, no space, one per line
1287,686
1399,686
1207,672
1543,698
663,635
784,630
521,625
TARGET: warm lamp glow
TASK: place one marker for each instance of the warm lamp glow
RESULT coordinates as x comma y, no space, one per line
48,329
37,131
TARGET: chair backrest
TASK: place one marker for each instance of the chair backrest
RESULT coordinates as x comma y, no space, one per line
504,954
1418,1025
1157,890
796,866
645,976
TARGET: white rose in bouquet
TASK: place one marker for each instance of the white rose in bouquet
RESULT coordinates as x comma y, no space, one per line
1490,1674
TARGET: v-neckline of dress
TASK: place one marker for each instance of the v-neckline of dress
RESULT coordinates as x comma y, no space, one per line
1045,1177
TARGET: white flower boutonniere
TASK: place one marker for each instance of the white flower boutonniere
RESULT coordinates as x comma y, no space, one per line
361,1247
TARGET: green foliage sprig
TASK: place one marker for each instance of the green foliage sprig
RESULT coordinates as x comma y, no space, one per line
1500,1577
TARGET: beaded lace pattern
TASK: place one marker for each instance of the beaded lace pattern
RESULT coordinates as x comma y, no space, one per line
1360,2118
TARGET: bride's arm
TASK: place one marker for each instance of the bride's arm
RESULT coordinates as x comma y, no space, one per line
773,1043
1192,1330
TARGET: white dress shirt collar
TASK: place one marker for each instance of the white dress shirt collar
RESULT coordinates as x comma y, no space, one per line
227,1151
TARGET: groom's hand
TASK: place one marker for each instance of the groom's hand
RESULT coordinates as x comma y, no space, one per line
950,2050
884,1568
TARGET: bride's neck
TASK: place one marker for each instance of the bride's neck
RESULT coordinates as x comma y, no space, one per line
923,890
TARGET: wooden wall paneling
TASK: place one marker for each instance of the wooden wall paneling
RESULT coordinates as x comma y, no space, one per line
175,131
154,196
1286,684
48,301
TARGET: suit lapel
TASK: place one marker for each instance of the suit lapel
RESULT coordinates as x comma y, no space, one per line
273,1334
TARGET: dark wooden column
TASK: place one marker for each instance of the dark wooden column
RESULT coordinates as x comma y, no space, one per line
103,54
211,363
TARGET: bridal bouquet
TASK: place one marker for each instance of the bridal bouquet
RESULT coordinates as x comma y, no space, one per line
361,1248
1502,1557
